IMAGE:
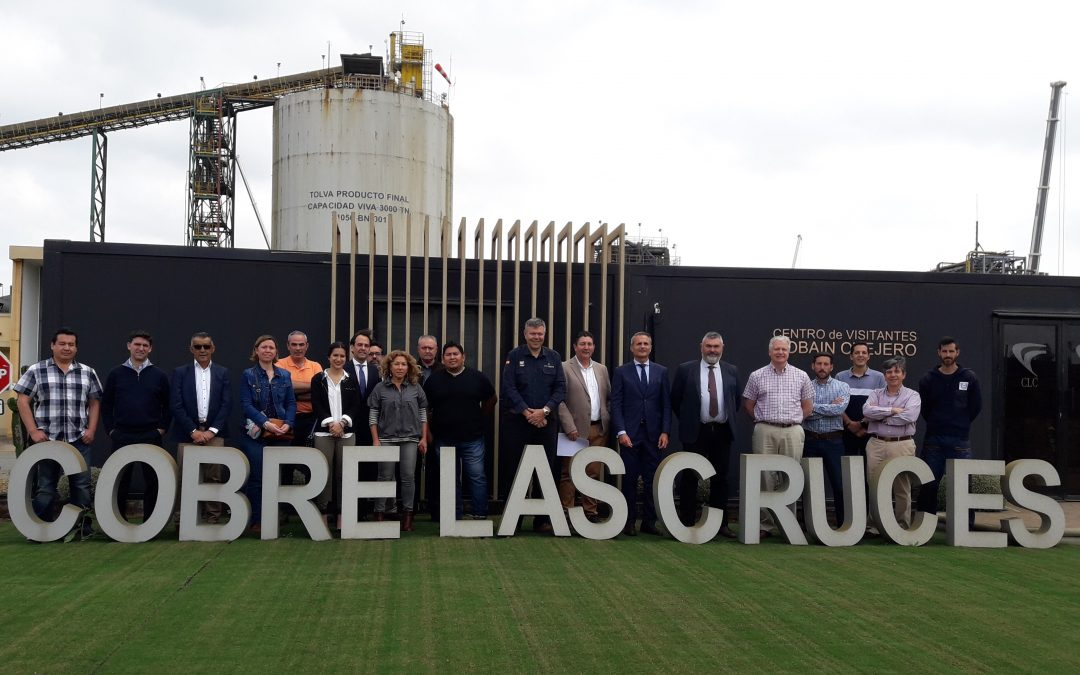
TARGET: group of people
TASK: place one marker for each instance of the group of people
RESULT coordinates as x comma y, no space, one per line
861,412
366,397
361,397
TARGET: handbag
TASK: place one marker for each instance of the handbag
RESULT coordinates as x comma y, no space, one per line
280,437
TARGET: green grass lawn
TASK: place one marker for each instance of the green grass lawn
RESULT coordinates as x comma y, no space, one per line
532,604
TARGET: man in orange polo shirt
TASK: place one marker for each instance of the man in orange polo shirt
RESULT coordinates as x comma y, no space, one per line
302,370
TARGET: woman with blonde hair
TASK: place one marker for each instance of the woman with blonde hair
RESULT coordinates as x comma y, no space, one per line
269,404
398,416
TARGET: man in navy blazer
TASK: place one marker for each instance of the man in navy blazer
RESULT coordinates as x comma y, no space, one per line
201,402
641,418
704,399
367,376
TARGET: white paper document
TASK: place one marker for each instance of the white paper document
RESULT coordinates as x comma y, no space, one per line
569,448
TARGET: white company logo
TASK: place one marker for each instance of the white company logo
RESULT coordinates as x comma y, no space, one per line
1025,353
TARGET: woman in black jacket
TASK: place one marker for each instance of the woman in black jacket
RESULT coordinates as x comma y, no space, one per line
338,407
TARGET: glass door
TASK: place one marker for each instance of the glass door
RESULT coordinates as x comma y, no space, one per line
1071,409
1038,390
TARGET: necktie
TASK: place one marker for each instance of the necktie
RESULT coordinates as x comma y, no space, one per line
360,379
643,377
714,401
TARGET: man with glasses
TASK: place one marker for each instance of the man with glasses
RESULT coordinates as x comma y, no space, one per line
201,400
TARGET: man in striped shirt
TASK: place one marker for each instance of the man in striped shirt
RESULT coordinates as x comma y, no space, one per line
893,412
824,424
777,397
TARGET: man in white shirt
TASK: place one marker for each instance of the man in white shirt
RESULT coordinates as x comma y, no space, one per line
584,414
201,400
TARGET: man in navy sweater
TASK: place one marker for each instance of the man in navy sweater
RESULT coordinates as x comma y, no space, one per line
135,409
951,400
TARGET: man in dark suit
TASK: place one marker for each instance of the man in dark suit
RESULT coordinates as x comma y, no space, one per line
641,418
703,397
201,401
367,376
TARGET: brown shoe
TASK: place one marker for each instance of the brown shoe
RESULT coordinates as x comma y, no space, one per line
406,522
379,516
256,529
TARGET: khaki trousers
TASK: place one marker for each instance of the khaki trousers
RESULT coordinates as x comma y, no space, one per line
770,439
594,470
329,500
877,453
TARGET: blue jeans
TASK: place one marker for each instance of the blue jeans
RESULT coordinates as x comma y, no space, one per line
937,449
470,457
830,451
253,450
49,474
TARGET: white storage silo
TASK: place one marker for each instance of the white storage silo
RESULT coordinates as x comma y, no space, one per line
354,151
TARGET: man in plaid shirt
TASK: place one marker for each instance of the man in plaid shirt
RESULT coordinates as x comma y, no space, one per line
778,397
59,400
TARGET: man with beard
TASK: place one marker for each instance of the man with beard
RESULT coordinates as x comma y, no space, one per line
823,427
703,398
951,400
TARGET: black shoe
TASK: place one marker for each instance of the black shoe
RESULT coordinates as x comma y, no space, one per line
629,530
650,528
726,532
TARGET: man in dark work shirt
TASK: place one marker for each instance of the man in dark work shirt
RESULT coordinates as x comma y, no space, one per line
459,399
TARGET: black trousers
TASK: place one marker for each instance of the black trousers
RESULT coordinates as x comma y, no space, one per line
714,444
516,433
124,437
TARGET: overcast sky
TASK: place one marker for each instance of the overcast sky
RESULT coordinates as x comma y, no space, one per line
732,127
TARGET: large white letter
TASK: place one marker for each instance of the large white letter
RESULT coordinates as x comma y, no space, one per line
299,496
449,525
194,491
851,530
1051,515
881,506
533,461
107,510
958,501
753,500
20,492
663,487
600,491
353,490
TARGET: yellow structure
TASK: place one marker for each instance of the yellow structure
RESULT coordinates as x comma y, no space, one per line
410,60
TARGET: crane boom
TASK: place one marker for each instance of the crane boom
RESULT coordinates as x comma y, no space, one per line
1044,178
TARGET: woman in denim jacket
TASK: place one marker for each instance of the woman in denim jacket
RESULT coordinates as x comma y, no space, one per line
398,416
266,395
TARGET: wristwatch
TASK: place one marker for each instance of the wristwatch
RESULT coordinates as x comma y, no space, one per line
547,411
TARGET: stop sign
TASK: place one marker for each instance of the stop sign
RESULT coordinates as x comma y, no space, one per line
5,372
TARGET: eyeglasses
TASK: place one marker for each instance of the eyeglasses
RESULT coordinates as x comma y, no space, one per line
200,347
